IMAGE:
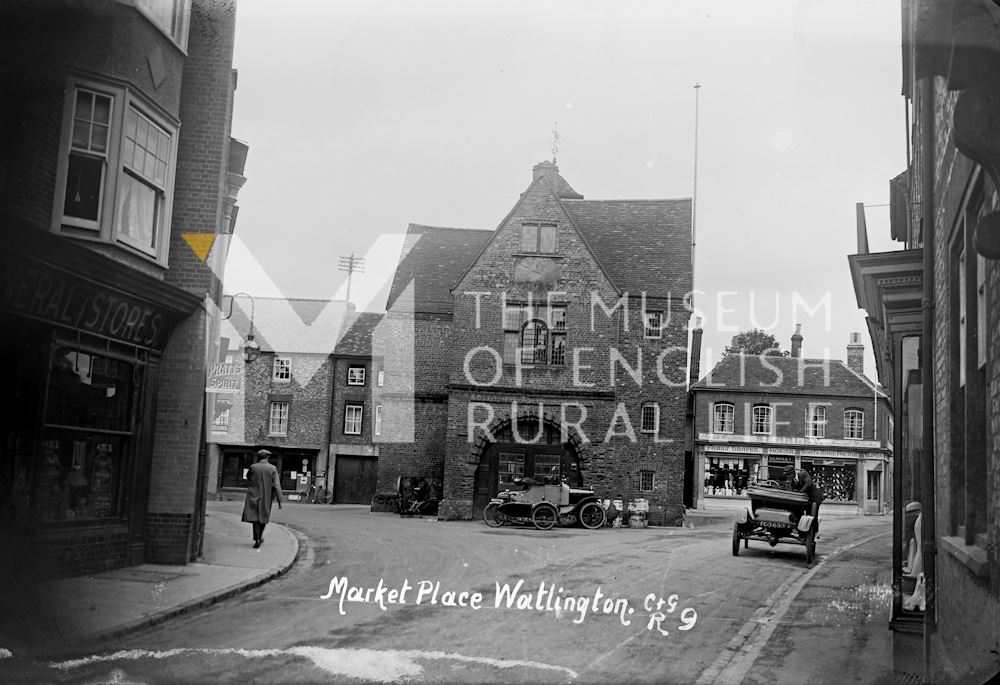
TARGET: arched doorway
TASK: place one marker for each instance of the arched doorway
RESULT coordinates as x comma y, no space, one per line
510,456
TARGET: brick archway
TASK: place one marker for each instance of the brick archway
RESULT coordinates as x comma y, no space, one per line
488,454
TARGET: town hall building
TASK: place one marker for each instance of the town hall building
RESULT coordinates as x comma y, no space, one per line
552,347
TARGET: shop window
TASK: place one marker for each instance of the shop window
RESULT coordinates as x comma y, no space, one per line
854,424
650,418
967,380
816,421
87,435
279,419
281,370
653,325
356,374
835,478
116,169
645,481
728,476
353,416
762,420
539,331
723,418
539,237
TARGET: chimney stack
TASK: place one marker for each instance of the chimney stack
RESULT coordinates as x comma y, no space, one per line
797,341
547,169
856,355
696,334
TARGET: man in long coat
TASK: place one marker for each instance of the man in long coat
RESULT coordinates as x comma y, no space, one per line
263,487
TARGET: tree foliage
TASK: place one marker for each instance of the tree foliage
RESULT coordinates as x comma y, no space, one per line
755,341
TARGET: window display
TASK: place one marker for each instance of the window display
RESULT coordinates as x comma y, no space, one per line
729,476
837,481
86,434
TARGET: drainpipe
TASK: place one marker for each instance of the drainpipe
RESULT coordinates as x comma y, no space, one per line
927,363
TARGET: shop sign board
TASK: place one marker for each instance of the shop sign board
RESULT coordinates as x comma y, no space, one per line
224,378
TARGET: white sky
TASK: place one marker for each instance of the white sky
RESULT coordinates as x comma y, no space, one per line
365,116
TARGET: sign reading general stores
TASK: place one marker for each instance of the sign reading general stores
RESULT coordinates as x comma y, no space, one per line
223,377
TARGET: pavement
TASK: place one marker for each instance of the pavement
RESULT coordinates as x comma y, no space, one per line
95,609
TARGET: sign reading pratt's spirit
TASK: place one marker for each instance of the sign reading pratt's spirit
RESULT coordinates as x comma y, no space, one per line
224,377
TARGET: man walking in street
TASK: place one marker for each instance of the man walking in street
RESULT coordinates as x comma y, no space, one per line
261,490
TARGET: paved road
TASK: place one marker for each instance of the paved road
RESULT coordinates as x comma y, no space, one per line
672,606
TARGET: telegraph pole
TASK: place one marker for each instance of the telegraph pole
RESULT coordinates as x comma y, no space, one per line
351,265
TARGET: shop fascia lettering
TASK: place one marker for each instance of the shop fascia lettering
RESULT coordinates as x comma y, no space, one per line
62,299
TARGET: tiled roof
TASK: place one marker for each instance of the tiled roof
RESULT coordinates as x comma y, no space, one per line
433,260
358,338
643,245
285,324
781,375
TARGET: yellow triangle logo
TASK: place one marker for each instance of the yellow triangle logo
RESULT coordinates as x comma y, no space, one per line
201,243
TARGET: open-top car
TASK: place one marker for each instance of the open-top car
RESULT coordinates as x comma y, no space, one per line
544,504
776,514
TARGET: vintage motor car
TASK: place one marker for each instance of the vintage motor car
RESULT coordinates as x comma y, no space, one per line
544,504
776,514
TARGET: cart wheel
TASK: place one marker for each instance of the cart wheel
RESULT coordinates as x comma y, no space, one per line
810,546
544,516
492,516
736,539
592,515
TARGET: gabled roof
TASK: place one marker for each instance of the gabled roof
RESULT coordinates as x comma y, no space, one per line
433,260
285,325
643,245
781,375
357,341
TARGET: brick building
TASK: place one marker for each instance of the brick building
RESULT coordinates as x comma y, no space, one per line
283,400
754,415
118,175
934,320
356,412
555,345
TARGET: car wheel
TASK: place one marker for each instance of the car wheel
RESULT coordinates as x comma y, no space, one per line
492,515
592,515
544,516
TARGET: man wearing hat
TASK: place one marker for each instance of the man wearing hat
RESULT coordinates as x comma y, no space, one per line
261,490
800,481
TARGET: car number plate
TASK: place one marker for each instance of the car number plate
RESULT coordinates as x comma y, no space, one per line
774,524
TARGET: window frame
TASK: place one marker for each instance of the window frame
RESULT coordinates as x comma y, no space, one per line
643,473
816,426
552,318
284,373
277,404
715,417
769,419
106,228
656,418
364,374
377,428
850,427
657,334
359,420
537,241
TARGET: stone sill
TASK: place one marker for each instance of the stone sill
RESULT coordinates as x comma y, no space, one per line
972,557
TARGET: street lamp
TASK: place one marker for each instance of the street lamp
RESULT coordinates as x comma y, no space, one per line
250,347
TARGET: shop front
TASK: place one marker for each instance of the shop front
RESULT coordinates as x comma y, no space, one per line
729,469
81,347
296,468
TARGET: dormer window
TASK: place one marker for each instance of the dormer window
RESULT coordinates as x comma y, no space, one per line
539,237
